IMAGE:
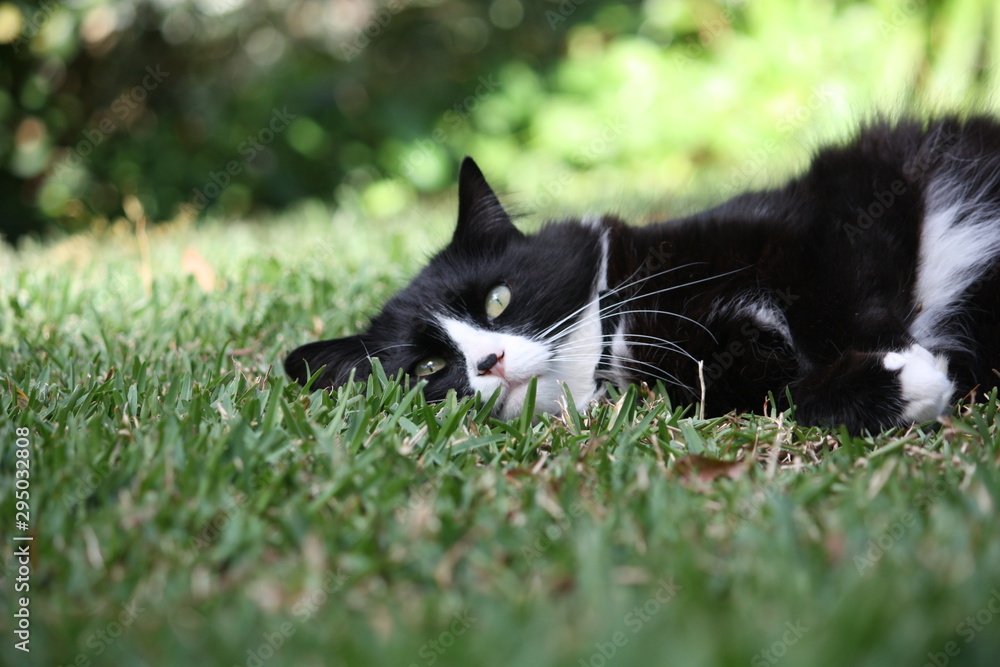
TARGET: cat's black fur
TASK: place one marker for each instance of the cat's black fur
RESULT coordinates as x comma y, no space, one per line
868,287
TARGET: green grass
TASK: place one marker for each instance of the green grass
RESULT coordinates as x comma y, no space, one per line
191,506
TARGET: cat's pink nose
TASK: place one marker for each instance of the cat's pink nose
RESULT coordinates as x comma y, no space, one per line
491,365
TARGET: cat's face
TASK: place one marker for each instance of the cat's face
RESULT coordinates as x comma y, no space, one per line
492,310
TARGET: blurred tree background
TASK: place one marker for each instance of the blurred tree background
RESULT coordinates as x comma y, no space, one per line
178,108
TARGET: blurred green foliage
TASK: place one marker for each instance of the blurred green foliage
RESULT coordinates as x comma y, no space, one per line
166,108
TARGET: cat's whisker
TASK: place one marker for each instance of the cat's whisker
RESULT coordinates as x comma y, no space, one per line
576,326
653,311
596,302
620,363
630,335
677,287
626,284
619,304
661,343
655,346
623,286
614,306
370,355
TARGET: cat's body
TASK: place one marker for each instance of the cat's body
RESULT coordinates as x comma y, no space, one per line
868,287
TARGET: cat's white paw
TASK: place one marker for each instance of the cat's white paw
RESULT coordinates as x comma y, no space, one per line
927,389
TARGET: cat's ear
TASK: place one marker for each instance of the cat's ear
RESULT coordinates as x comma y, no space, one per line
336,357
480,215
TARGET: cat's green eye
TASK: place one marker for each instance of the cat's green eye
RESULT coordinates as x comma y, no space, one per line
429,365
497,301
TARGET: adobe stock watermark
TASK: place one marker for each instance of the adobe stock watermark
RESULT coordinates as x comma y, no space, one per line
543,540
558,16
248,149
34,22
885,198
882,201
598,144
721,23
749,506
892,531
432,650
821,97
968,629
454,118
417,500
779,649
302,612
901,14
219,7
634,621
121,108
378,22
763,326
227,513
85,484
710,31
604,138
101,640
767,319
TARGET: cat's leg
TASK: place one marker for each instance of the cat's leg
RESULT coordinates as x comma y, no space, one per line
875,390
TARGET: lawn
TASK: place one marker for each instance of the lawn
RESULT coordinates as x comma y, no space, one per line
170,498
189,505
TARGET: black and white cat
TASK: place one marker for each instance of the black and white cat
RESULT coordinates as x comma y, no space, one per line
868,287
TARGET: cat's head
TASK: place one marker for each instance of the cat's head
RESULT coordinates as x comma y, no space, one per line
493,309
